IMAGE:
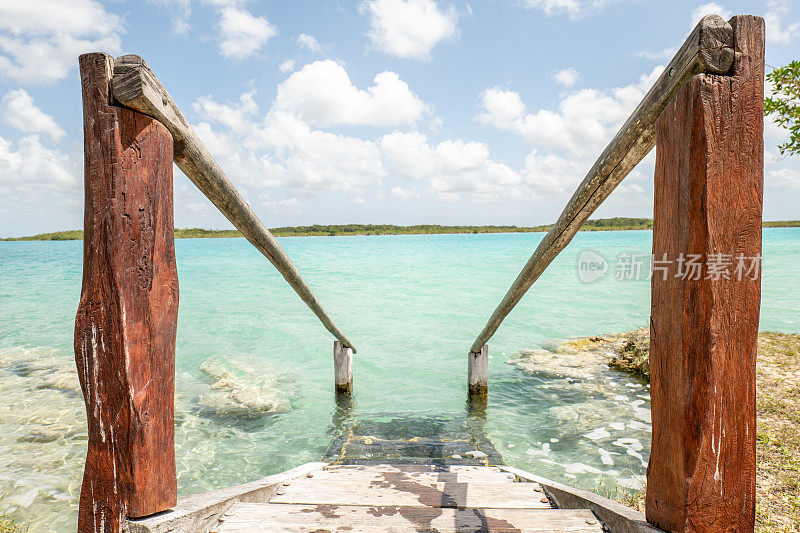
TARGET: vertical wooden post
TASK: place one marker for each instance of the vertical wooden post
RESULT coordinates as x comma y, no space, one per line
342,368
478,373
704,327
127,316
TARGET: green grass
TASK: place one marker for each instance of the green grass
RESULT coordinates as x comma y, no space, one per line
778,417
8,524
340,230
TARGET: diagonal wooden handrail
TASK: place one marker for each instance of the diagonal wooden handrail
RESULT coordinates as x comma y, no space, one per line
709,48
135,86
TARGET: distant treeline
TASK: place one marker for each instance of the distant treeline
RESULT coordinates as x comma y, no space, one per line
600,224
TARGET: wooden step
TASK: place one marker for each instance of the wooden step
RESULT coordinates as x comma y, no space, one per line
288,518
398,490
452,474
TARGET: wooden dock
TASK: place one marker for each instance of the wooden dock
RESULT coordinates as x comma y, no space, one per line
390,472
382,498
393,472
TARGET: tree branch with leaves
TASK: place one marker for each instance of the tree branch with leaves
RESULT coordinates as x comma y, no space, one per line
784,104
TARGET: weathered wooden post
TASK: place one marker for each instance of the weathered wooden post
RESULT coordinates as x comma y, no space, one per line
342,368
127,316
478,374
704,325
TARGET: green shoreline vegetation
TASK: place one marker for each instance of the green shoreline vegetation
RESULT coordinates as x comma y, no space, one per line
342,230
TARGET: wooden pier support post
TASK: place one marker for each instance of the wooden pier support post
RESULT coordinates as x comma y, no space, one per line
127,316
342,368
478,373
704,325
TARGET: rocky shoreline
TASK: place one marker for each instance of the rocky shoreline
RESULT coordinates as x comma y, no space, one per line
777,407
627,351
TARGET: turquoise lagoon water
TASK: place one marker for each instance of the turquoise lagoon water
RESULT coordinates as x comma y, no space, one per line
412,305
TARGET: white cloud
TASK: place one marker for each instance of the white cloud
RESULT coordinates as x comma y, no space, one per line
309,42
321,93
409,29
285,147
281,150
452,168
501,107
774,18
409,154
567,77
33,163
241,33
404,193
20,112
291,205
567,140
182,10
40,40
711,8
575,9
552,173
665,54
286,66
782,178
585,121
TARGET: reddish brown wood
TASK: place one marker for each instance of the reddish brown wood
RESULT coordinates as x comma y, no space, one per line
127,317
708,199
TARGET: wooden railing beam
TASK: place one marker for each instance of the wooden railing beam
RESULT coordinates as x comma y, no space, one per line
135,86
709,48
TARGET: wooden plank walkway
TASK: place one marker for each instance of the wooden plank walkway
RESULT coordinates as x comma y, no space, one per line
419,498
388,472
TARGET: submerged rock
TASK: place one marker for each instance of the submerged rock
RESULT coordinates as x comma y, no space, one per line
242,390
43,434
566,363
585,357
64,379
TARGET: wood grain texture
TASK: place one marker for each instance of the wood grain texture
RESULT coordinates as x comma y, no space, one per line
342,368
201,512
376,473
478,372
286,518
127,316
616,517
135,86
708,200
403,490
709,48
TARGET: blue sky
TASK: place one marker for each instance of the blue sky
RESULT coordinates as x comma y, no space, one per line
367,111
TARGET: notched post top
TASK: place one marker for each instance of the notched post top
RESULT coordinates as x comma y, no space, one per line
715,44
134,85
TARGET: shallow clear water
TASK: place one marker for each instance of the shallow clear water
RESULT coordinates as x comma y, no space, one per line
411,304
